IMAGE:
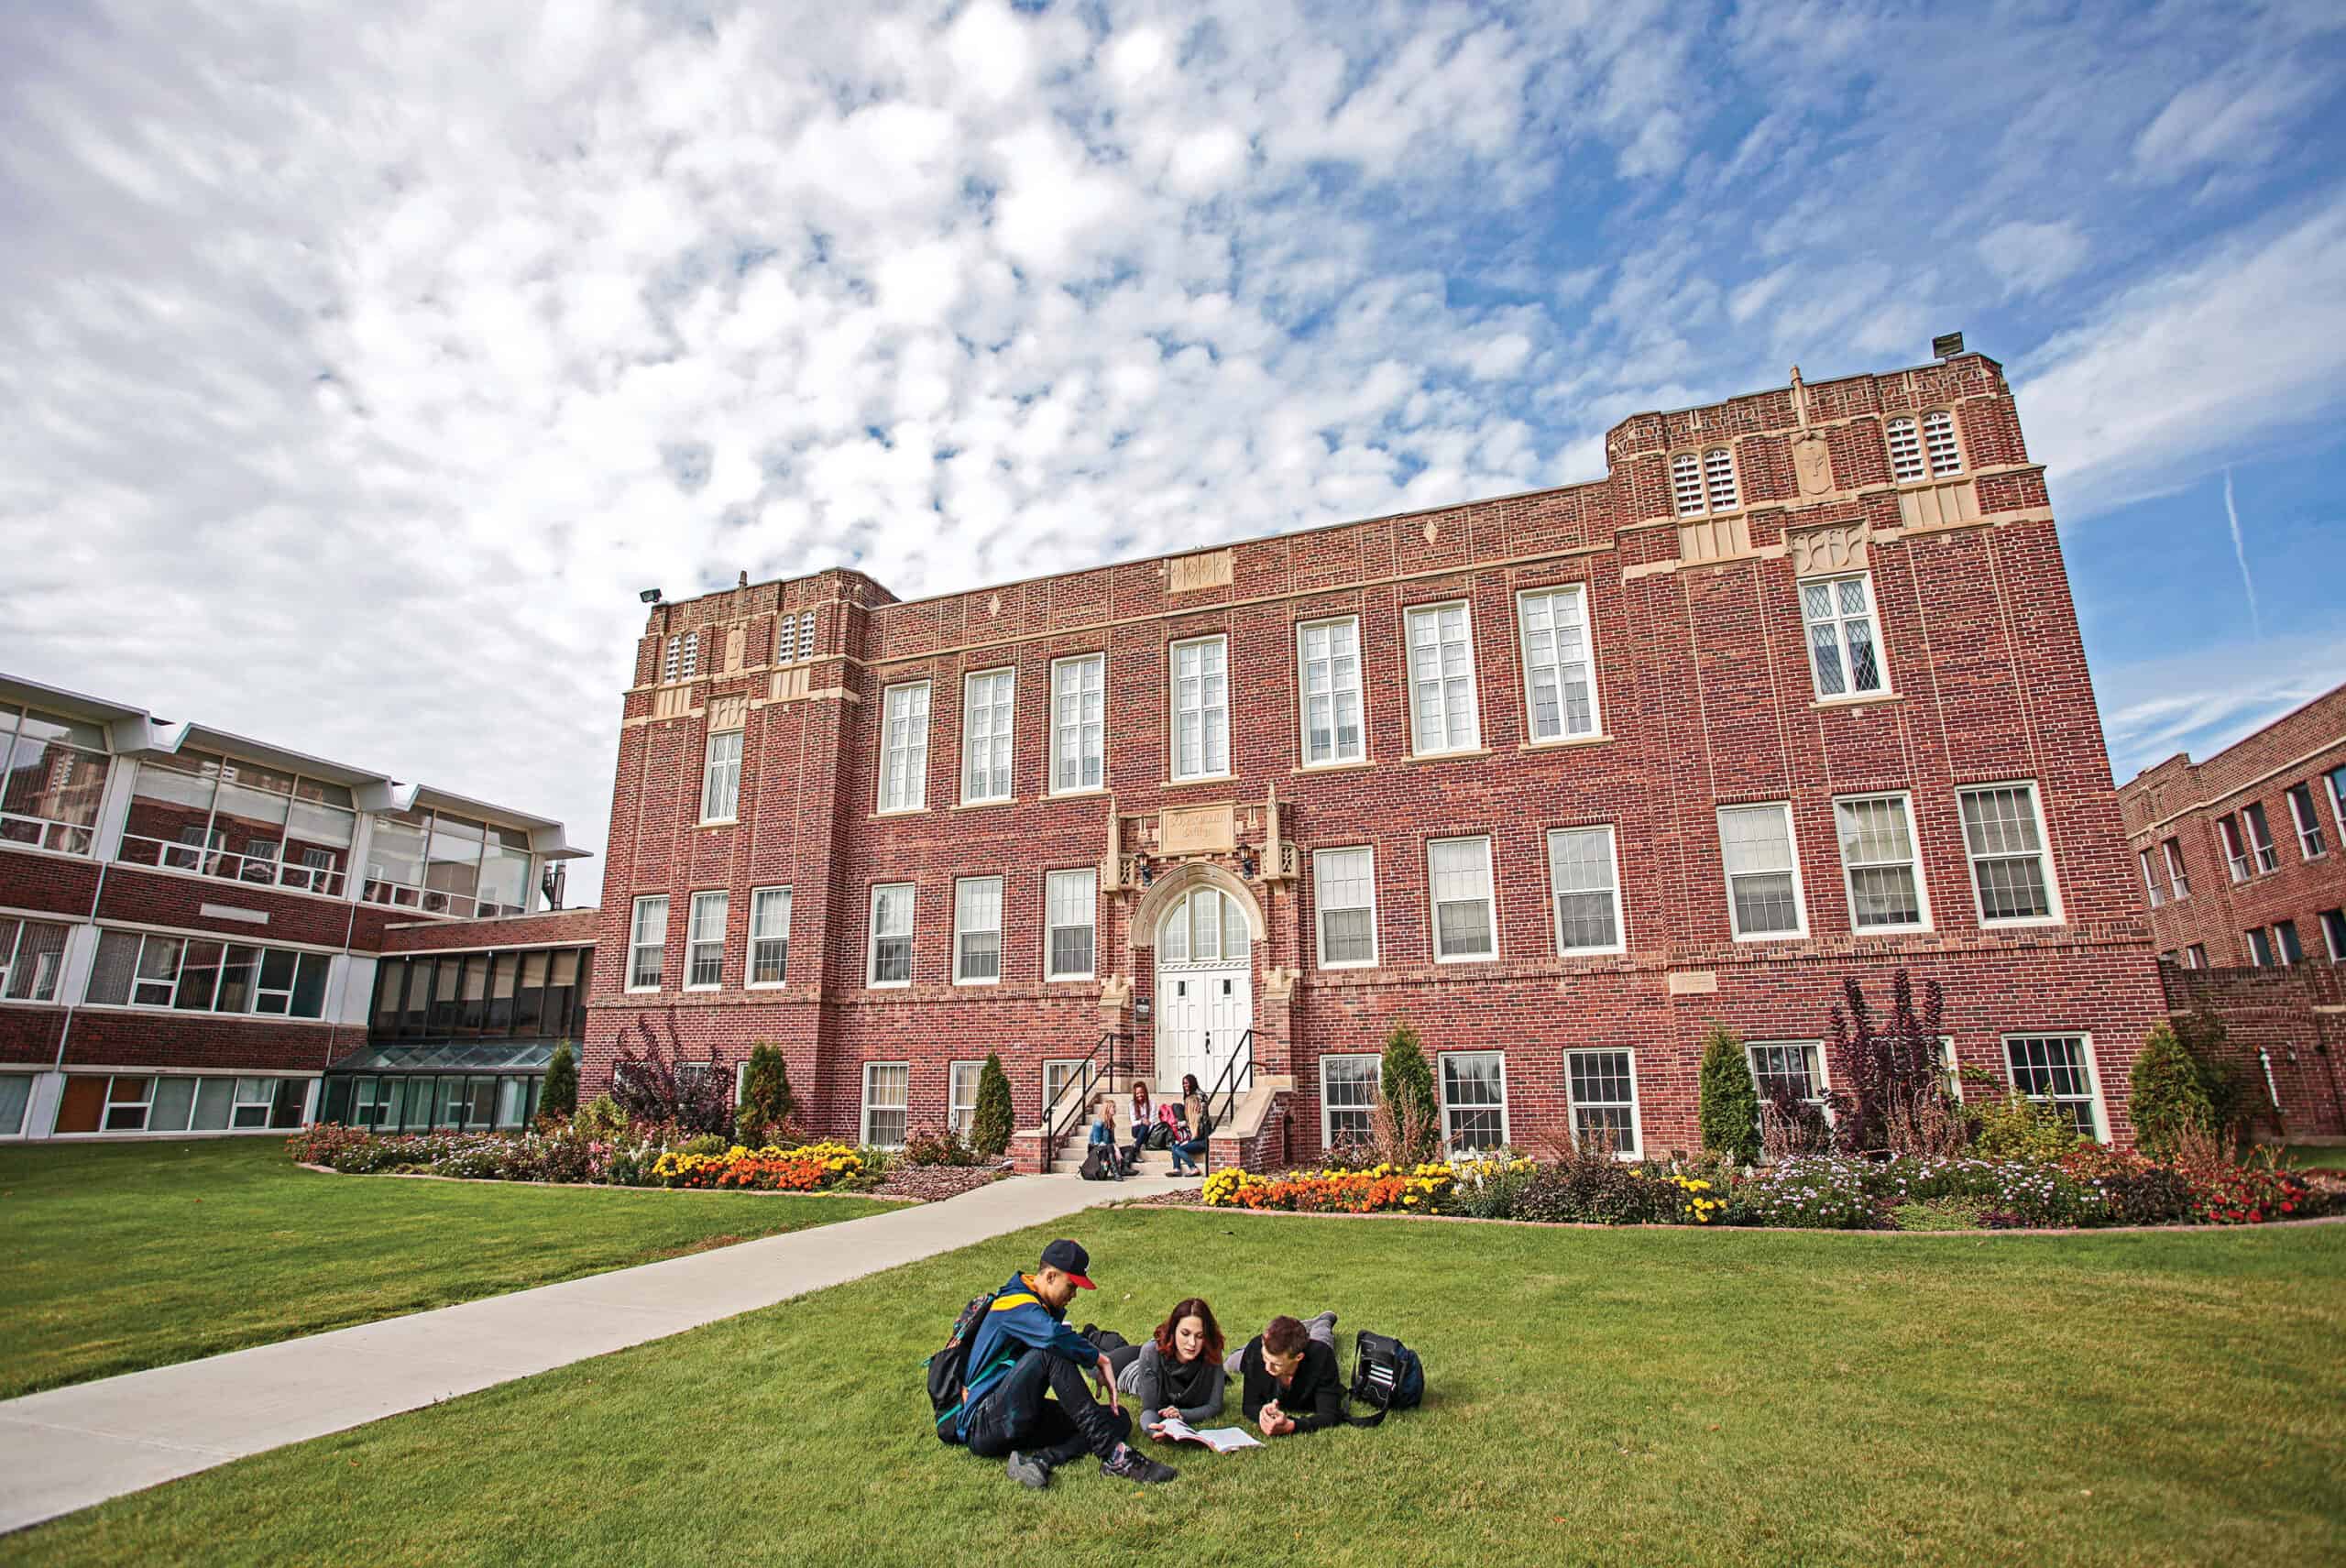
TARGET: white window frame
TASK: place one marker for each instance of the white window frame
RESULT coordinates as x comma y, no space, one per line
1621,943
903,763
1333,694
1907,464
869,1069
2333,933
1905,801
2195,955
1699,477
1490,900
873,934
2151,888
960,1116
681,661
637,945
1728,876
1321,907
1052,925
1327,1110
1442,1086
1839,622
762,900
1819,1068
1065,1069
2259,838
703,947
2259,943
2178,880
2230,839
2312,845
2289,944
1635,1148
24,1108
2335,779
1443,746
980,774
1555,664
14,950
975,885
1205,709
1062,729
2052,917
2092,1097
720,777
1940,443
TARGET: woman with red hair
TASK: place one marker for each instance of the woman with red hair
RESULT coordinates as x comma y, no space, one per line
1179,1373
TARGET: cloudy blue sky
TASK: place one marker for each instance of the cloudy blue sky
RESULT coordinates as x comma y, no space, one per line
358,364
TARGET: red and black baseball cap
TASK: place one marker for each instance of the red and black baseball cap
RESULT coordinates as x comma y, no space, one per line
1070,1260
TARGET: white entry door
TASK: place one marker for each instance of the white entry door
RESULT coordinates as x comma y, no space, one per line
1205,990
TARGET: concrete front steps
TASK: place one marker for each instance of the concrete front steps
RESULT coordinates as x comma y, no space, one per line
1253,1136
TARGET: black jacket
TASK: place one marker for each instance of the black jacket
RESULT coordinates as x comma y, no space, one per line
1315,1399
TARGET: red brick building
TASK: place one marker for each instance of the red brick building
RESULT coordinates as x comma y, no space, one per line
190,921
1795,692
2239,857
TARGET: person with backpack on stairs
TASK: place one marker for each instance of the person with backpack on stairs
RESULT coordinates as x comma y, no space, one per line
1022,1350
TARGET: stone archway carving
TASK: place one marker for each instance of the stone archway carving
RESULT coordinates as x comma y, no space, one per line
1187,877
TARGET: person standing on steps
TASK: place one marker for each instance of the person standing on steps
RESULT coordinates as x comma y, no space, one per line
1026,1401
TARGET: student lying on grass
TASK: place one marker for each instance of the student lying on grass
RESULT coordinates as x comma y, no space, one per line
1177,1374
1289,1380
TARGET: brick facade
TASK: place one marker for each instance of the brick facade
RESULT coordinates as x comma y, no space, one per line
1706,698
2181,808
2287,1028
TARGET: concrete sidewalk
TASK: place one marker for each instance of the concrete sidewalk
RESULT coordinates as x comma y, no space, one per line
71,1447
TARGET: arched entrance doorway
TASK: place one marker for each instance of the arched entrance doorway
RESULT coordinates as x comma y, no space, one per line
1205,986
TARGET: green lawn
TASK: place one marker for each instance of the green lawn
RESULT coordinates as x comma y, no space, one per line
125,1255
2328,1156
1596,1397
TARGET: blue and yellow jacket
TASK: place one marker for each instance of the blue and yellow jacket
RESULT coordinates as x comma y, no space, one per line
1019,1320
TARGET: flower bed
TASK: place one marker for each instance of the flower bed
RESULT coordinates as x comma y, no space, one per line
622,1157
810,1167
2084,1187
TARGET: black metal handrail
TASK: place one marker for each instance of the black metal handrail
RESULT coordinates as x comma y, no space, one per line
1228,1087
1087,1072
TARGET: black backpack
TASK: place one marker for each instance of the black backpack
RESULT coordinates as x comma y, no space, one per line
949,1369
1386,1376
1099,1163
1161,1137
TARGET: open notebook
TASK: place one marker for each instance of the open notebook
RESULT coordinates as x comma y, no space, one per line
1223,1440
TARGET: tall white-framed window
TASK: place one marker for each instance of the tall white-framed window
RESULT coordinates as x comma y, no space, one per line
647,941
1466,924
1058,1073
2235,852
1603,1088
1348,1088
1844,652
988,703
2003,836
2151,889
2260,947
1343,891
1201,708
682,662
2195,956
769,937
1585,874
962,1095
720,777
1444,713
1559,668
887,1098
704,942
16,1095
1879,867
1079,723
1328,655
977,930
2285,944
2333,934
1071,918
32,955
2058,1069
891,933
2336,780
2310,842
1763,890
904,746
2178,880
2259,838
1474,1100
1791,1067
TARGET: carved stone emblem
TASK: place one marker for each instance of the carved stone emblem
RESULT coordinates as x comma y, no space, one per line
1813,465
1197,830
1841,549
1207,569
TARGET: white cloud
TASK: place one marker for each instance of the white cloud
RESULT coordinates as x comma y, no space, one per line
2234,116
2031,257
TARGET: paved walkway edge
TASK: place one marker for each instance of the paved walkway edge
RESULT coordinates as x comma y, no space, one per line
69,1448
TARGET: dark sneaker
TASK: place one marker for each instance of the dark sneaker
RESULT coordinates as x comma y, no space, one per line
1131,1464
1028,1471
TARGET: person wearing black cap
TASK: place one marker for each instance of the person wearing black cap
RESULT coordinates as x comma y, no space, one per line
1024,1351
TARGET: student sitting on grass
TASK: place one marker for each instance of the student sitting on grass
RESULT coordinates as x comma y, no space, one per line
1024,1351
1178,1373
1289,1378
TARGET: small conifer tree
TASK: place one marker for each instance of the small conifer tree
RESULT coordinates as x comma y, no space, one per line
767,1102
989,1126
2169,1094
1728,1111
1405,1082
560,1095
